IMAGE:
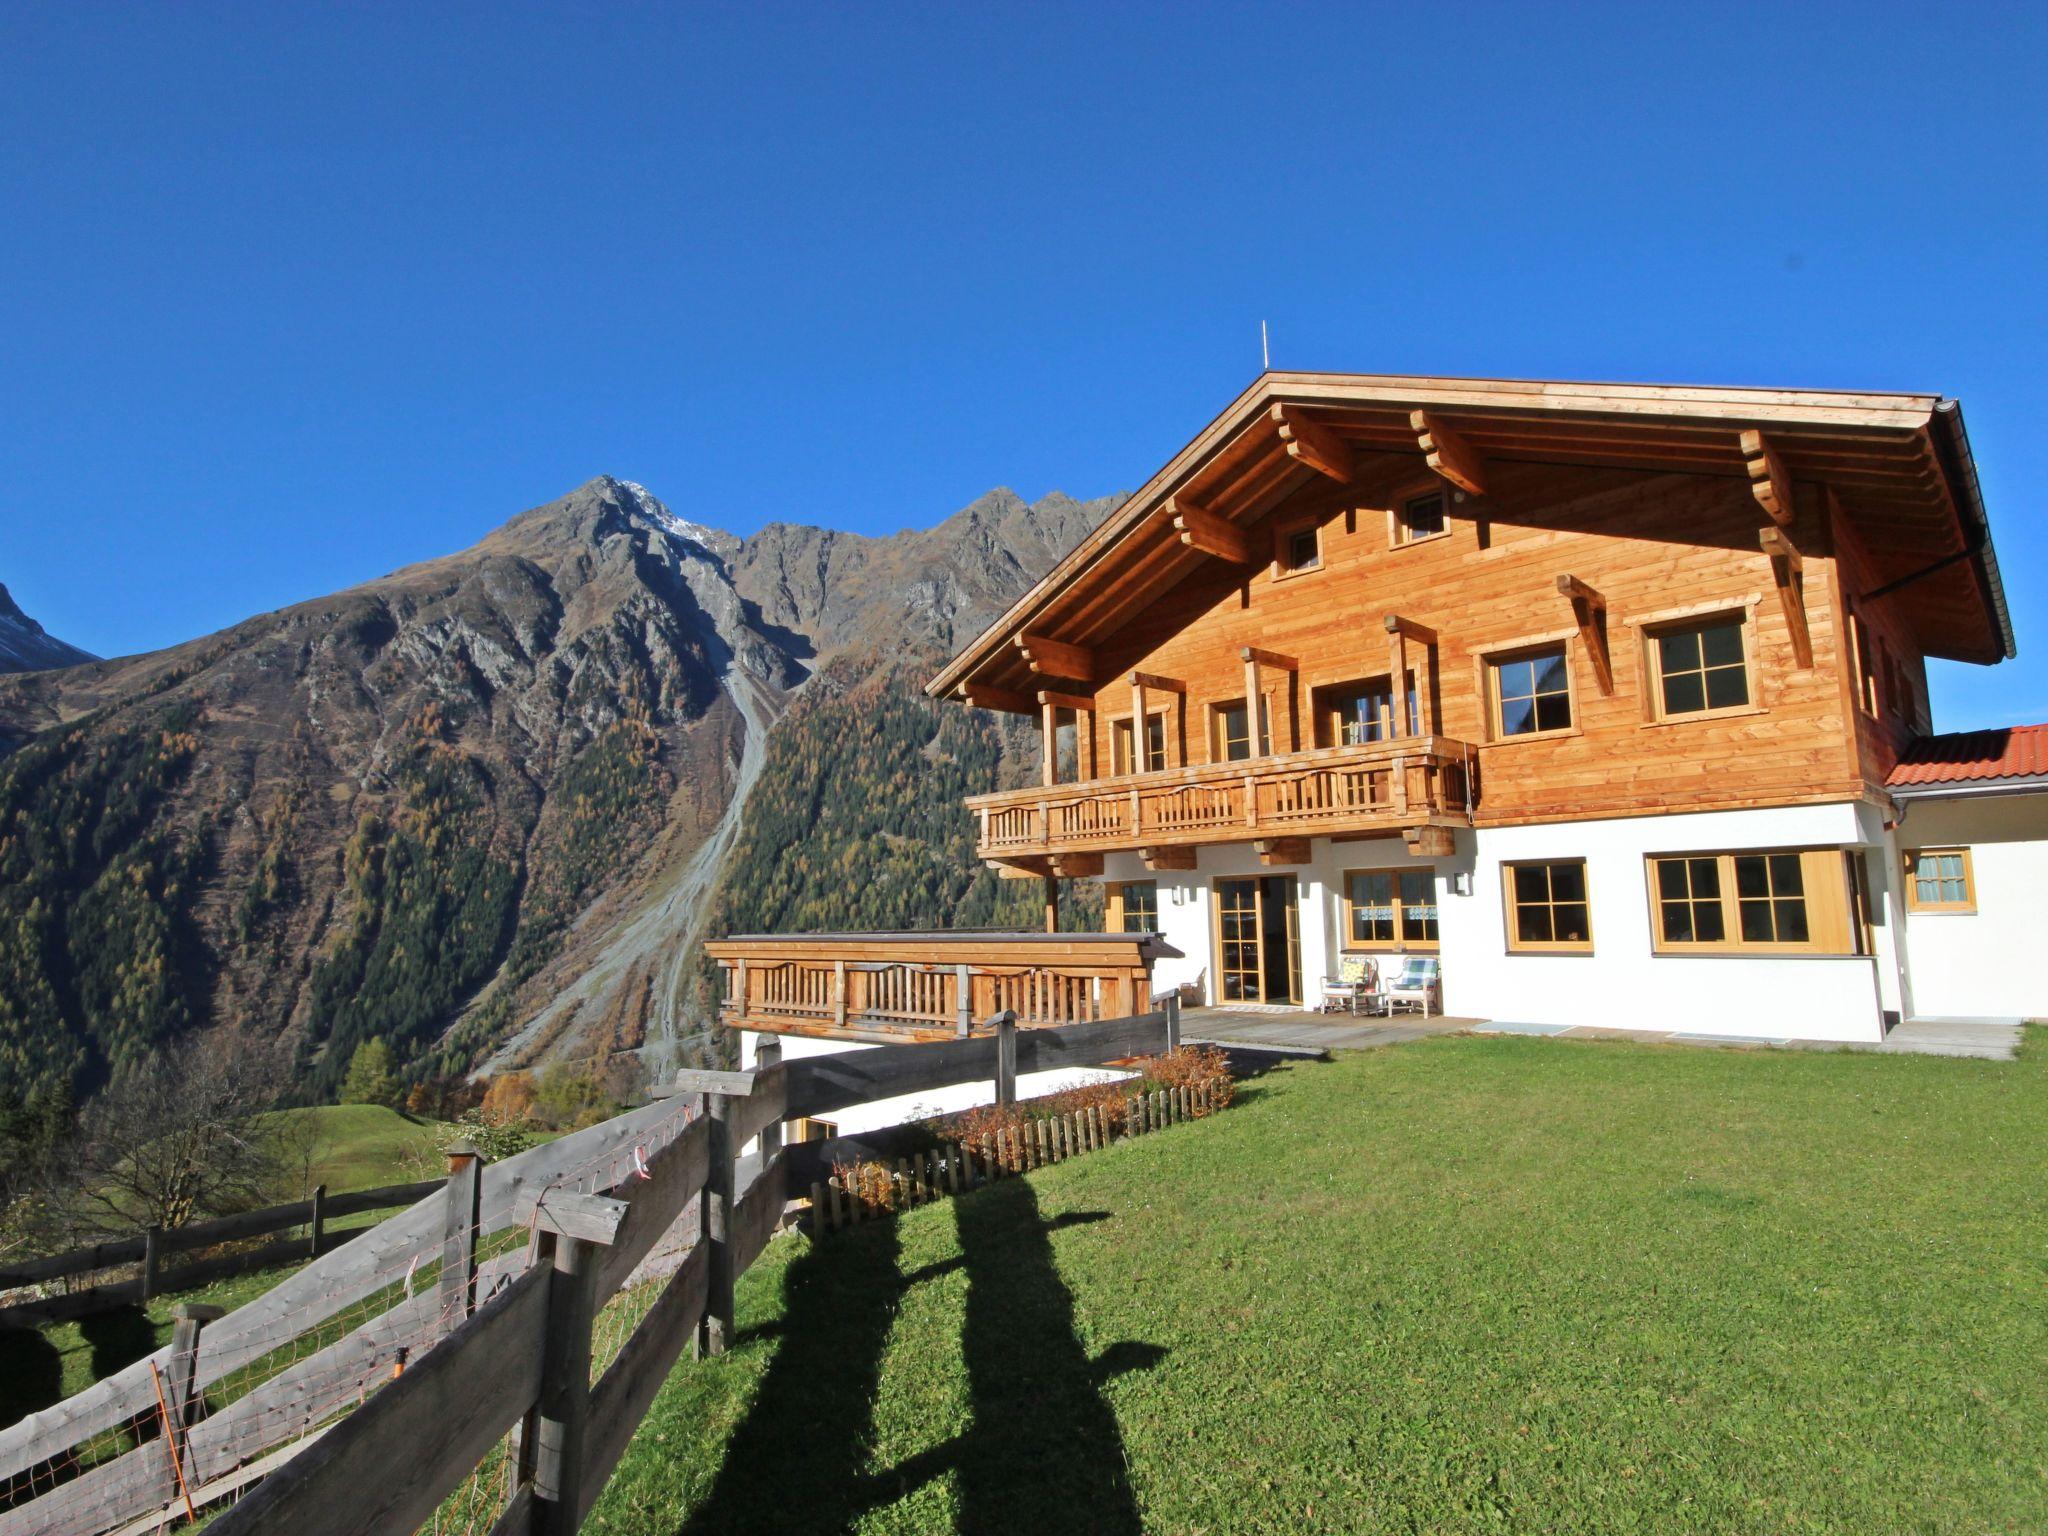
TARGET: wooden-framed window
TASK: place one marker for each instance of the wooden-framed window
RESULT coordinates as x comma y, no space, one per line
1702,666
1390,909
1355,713
1120,738
1767,901
1229,734
1689,908
1297,548
1940,880
1419,517
1866,664
1132,907
1547,907
1530,692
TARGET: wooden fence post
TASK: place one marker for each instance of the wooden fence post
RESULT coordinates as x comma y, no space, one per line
714,1330
1173,1021
963,1015
458,1232
318,1227
188,1318
150,1238
573,1231
1006,1057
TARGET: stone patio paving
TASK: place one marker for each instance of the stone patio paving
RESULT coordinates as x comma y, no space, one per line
1298,1030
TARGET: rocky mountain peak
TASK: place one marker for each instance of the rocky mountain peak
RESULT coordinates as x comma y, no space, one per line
25,646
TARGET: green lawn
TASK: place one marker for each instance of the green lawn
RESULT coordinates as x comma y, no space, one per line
366,1146
1469,1284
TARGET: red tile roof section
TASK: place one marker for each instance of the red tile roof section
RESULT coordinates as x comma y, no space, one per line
2012,752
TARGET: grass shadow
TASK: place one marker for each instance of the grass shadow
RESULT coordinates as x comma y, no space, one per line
31,1373
1043,1447
118,1338
802,1448
1045,1451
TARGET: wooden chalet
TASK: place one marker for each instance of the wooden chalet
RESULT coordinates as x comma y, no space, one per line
1575,703
1591,691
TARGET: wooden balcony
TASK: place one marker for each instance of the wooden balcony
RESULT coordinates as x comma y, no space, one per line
1404,786
939,985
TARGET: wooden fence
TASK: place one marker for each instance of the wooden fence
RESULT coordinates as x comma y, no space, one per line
147,1250
376,1427
873,1189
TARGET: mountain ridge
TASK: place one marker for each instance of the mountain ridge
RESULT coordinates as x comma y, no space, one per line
483,806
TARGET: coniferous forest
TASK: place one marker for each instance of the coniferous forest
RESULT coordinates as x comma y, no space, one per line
857,822
95,905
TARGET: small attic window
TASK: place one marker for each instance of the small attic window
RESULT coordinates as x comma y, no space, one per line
1419,517
1297,549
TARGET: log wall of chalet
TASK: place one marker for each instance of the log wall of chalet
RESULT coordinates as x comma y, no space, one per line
1654,547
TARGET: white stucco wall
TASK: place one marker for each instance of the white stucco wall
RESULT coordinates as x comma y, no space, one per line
1623,983
1992,963
883,1113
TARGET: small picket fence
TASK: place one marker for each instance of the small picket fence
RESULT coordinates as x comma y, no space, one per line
874,1190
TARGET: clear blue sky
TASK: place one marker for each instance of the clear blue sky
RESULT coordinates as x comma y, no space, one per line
290,296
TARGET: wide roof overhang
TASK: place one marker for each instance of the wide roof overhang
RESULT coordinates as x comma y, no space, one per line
1899,465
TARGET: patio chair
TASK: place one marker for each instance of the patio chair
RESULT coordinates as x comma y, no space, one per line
1355,984
1418,984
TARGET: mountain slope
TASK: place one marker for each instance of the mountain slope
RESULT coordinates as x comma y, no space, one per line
478,807
26,647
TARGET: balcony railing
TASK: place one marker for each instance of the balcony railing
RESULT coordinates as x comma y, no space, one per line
1384,785
929,986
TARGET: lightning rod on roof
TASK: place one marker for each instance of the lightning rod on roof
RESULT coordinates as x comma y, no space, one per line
1265,350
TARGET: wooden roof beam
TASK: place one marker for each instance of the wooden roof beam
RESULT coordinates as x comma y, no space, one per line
1589,609
1788,576
1269,658
1056,658
1073,701
1281,850
1309,442
1422,634
1203,530
1005,700
1152,680
1168,857
1448,454
1430,842
1768,481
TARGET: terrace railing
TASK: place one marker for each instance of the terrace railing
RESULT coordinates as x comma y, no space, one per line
929,986
1385,785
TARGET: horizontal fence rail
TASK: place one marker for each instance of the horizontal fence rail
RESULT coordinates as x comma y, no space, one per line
147,1250
1386,785
420,1363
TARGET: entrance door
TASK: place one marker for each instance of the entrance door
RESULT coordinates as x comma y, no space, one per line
1258,940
